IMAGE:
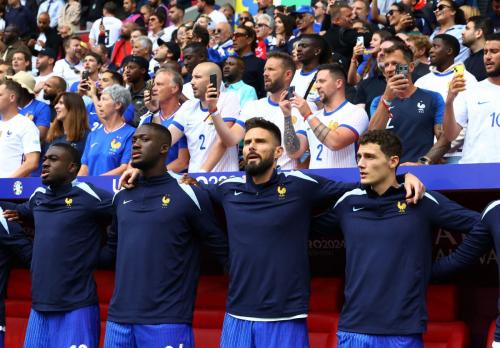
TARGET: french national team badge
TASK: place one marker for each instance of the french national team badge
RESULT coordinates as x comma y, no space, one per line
281,192
332,125
30,116
402,207
115,144
165,201
68,201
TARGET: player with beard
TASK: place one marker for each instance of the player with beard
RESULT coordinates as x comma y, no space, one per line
477,108
153,300
65,308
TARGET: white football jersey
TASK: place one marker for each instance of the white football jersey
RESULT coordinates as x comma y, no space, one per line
346,115
112,26
200,131
271,111
301,82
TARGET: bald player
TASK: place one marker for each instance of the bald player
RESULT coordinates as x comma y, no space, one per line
195,120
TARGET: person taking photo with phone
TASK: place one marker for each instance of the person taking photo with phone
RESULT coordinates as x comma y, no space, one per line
412,113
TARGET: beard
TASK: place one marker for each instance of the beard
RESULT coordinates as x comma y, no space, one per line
260,168
274,87
494,73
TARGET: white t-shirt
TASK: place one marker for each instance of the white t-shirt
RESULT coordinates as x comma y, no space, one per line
112,26
271,111
439,81
478,109
70,73
301,82
187,90
200,131
346,115
18,136
217,17
167,32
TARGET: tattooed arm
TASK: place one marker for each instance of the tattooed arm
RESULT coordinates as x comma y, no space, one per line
295,144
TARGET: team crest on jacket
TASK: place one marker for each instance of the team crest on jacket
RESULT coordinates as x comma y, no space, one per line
281,191
115,144
165,201
68,201
402,207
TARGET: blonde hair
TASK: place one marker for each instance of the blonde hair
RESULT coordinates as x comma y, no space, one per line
469,11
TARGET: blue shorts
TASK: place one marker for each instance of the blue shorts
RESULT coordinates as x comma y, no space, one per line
151,336
77,328
2,339
237,333
358,340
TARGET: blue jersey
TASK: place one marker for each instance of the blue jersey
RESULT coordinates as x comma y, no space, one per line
38,112
13,242
268,230
159,225
67,243
106,151
482,237
94,121
173,153
413,121
389,257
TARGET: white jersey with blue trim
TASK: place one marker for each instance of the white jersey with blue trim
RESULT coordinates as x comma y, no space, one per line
193,120
270,111
346,115
301,82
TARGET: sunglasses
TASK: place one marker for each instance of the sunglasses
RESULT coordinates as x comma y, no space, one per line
442,7
244,18
262,25
391,12
236,35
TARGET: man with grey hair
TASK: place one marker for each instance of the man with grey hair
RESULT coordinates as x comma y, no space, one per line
143,47
107,150
163,104
264,28
224,43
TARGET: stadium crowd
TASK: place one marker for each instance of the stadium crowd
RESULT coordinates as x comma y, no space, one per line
324,74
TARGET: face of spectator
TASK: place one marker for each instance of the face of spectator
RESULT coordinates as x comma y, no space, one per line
105,80
304,21
306,51
438,54
359,11
107,107
133,72
381,54
374,166
90,64
344,20
10,35
394,15
469,34
444,12
42,62
228,12
203,22
240,40
249,24
161,53
274,76
192,59
175,14
146,13
43,22
232,70
138,50
146,148
61,111
279,27
19,62
262,29
57,167
492,58
3,70
319,10
63,31
244,17
263,4
359,27
74,49
327,85
50,89
260,151
222,32
164,88
393,59
128,6
154,24
375,42
199,82
7,97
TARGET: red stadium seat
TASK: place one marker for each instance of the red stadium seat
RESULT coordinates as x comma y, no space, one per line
207,327
491,333
211,292
446,335
16,328
322,329
442,302
326,294
17,307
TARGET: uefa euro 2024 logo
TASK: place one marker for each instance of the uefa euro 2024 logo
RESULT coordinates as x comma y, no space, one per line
17,188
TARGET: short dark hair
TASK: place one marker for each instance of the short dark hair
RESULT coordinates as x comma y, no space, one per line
14,87
407,52
161,130
202,34
72,152
450,42
110,6
209,2
116,77
482,23
493,37
96,56
251,34
336,8
197,48
259,122
389,143
68,40
285,59
160,15
320,42
334,69
61,83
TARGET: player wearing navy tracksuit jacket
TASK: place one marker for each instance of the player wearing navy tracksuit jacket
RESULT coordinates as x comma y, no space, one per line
160,225
388,249
13,242
478,241
67,216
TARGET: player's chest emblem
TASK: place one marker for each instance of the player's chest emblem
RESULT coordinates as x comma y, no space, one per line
165,201
401,207
281,191
420,107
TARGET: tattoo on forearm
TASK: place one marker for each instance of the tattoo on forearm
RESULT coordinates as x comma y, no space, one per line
437,151
292,142
321,132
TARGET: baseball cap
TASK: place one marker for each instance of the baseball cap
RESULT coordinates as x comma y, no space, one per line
25,79
141,61
47,51
304,9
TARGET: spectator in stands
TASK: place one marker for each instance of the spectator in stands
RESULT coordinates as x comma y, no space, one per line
163,105
103,52
266,6
70,15
12,43
135,75
451,21
33,109
232,75
474,37
158,6
264,29
494,15
70,125
223,43
341,37
51,89
283,28
312,50
167,52
21,61
244,17
20,139
244,44
137,32
142,47
360,11
182,35
414,114
71,66
320,8
228,10
401,19
106,29
146,11
45,66
176,14
133,15
475,107
420,46
92,63
123,47
331,132
469,11
22,18
208,7
155,28
47,35
304,21
200,35
53,8
194,54
107,150
5,69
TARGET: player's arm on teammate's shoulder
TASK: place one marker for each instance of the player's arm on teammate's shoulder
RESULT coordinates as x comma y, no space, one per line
450,215
295,144
107,255
17,212
17,242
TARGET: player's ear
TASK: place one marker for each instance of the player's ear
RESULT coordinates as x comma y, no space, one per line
394,162
164,149
278,152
